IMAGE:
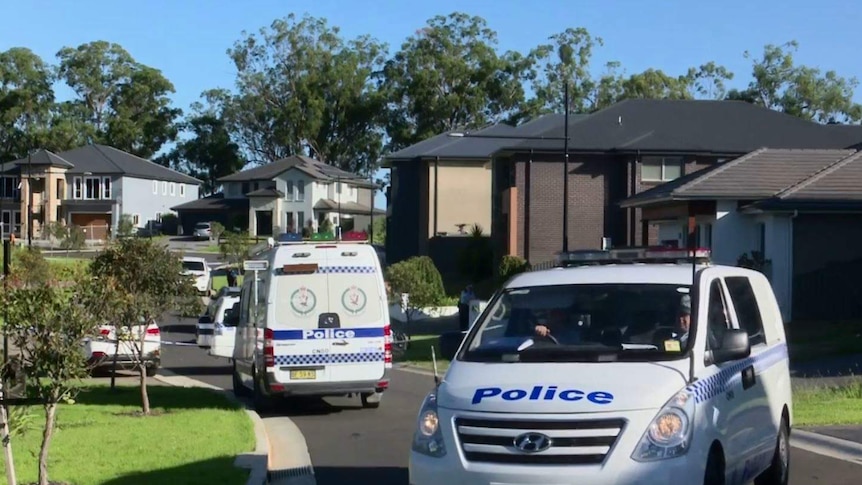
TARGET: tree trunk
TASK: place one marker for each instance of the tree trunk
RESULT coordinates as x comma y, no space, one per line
47,435
145,397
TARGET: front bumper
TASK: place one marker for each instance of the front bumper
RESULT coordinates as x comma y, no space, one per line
618,466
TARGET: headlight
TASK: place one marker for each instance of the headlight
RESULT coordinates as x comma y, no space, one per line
427,439
669,433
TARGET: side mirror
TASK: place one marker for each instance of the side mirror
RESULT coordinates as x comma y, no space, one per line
734,346
205,319
449,343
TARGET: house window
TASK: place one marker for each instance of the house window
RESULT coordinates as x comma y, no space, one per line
182,190
93,188
78,188
155,187
61,193
290,223
338,188
158,217
288,192
704,236
136,219
106,188
245,188
300,217
300,192
173,189
164,188
660,169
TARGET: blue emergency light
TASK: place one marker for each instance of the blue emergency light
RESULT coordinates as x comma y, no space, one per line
644,255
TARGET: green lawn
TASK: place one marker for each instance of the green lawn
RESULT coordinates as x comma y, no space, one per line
824,405
809,341
194,439
419,353
220,281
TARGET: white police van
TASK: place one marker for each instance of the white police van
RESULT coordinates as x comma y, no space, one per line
588,373
314,322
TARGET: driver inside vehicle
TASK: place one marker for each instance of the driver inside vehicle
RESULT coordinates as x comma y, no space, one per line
557,325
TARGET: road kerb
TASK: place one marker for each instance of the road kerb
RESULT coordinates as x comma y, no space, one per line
256,461
827,446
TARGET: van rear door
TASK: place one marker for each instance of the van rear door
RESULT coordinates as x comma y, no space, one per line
300,350
358,306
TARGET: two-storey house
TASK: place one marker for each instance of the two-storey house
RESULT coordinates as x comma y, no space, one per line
287,195
90,187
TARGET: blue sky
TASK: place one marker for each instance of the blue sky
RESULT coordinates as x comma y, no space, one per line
187,39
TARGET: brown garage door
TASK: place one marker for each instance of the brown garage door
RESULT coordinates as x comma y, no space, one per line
95,226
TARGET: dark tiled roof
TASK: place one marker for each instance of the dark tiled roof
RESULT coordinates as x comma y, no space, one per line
105,160
313,168
213,203
840,181
693,126
42,158
346,207
265,192
448,147
757,175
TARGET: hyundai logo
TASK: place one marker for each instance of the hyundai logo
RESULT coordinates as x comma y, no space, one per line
532,442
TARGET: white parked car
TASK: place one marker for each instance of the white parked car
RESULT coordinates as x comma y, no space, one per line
100,350
630,368
215,316
200,271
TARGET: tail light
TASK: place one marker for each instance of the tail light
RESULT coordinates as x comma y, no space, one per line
268,351
153,331
99,355
105,332
387,346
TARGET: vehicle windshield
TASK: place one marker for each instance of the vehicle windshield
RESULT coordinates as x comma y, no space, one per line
583,322
193,265
202,226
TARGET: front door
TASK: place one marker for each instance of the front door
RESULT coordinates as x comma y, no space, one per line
264,223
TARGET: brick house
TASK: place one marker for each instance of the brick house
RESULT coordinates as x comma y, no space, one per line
621,151
801,210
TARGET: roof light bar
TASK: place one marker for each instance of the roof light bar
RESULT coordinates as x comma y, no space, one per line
634,255
348,237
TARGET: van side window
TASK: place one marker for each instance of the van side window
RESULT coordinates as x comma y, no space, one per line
747,310
717,321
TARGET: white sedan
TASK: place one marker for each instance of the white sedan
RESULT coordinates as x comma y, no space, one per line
101,349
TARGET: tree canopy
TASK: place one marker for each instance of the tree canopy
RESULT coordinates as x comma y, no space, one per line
302,87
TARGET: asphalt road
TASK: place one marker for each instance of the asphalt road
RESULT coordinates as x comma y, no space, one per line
348,444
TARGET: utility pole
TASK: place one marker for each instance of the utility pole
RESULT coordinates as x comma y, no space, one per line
29,198
566,171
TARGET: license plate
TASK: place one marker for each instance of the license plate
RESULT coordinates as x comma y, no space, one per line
303,375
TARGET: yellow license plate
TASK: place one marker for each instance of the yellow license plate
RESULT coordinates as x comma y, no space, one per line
303,375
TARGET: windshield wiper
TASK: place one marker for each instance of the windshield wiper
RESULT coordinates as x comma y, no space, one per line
569,353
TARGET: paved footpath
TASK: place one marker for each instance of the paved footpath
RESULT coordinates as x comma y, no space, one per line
347,444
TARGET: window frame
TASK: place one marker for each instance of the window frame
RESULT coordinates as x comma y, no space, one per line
288,191
759,337
662,163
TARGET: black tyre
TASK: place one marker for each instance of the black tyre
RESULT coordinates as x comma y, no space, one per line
239,390
152,371
262,402
778,472
371,400
714,474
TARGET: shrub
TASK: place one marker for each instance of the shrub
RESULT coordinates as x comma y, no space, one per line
512,265
419,278
29,268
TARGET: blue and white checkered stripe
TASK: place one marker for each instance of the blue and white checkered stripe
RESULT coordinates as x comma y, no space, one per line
327,359
709,387
346,269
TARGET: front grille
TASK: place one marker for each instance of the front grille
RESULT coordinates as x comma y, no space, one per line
581,442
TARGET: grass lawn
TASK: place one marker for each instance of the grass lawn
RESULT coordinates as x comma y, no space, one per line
809,341
221,280
194,439
824,405
419,353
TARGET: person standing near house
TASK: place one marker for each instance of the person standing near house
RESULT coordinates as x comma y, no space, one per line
231,277
464,307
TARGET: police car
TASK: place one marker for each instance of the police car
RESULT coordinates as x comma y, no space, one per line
638,366
313,321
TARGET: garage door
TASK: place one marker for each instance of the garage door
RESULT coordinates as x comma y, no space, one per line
95,226
827,262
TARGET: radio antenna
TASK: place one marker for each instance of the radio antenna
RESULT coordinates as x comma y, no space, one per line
434,363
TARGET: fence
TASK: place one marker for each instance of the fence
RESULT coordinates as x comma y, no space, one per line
92,232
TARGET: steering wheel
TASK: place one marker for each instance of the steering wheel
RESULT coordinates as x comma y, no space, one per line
549,337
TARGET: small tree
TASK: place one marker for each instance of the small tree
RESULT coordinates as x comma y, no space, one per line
29,268
512,265
125,226
148,282
47,323
420,279
234,249
217,229
325,226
